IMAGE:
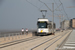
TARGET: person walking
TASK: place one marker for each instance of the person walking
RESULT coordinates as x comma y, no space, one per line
22,30
26,31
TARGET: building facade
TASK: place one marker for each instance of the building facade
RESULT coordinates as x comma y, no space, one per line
65,24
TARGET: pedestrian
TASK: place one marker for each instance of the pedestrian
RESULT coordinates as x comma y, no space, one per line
26,31
22,31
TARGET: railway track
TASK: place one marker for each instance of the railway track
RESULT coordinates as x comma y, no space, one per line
38,43
18,41
62,44
66,34
48,43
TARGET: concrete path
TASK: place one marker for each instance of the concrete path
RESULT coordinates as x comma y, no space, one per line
70,43
30,44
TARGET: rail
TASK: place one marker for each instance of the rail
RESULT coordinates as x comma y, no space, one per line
54,41
18,41
44,42
58,48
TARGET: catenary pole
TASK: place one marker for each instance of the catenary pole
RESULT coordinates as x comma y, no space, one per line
53,18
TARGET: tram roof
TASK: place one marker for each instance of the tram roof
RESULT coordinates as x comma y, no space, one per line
42,19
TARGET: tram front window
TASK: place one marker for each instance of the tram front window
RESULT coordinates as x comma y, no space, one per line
42,25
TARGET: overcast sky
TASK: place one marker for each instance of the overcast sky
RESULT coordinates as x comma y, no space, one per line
17,14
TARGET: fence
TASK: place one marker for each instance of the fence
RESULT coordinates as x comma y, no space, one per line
8,37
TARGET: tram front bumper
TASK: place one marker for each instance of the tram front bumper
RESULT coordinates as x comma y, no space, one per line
43,33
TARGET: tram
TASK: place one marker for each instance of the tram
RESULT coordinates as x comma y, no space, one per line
44,26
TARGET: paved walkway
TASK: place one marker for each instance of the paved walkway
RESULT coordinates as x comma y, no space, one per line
70,43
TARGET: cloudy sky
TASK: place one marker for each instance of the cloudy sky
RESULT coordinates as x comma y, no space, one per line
17,14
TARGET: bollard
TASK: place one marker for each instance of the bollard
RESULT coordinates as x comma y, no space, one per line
19,35
16,35
4,37
9,37
24,34
12,36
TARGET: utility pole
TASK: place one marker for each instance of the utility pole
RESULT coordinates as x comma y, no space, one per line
59,19
53,19
62,22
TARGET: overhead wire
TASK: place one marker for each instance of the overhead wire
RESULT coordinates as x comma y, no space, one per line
64,10
33,5
40,7
57,6
45,5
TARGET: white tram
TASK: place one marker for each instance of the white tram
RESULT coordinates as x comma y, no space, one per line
44,26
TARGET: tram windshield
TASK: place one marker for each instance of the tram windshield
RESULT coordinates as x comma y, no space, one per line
42,25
